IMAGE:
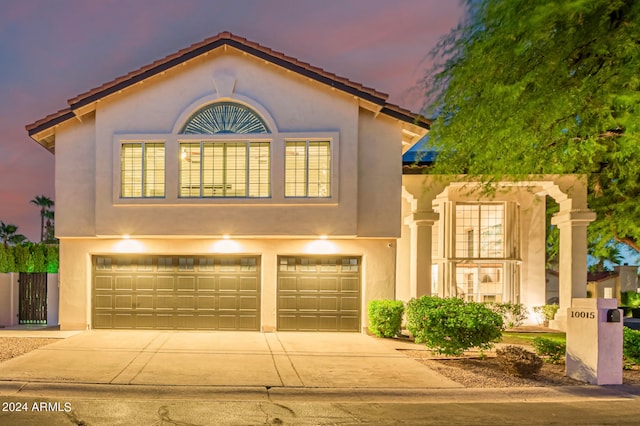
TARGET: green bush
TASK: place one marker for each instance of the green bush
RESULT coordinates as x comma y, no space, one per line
385,317
452,326
630,299
552,349
518,361
548,312
630,346
29,257
513,314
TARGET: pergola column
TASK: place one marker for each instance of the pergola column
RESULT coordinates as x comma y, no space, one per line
572,259
420,261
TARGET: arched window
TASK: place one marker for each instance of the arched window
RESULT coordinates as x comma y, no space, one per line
224,117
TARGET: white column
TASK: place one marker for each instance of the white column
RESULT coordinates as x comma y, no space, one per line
572,260
421,224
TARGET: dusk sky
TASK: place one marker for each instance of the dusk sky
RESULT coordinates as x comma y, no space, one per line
51,51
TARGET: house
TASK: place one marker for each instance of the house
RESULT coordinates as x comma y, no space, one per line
231,187
611,284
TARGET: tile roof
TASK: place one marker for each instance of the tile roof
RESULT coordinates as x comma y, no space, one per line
600,276
242,44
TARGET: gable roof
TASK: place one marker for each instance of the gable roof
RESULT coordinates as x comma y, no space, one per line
82,101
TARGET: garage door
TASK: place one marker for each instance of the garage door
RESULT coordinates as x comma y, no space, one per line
318,293
176,292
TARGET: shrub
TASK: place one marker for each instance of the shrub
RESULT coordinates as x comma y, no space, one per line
29,257
630,299
513,314
548,312
630,346
385,317
452,326
518,361
552,349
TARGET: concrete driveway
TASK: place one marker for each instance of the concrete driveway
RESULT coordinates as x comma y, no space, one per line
233,359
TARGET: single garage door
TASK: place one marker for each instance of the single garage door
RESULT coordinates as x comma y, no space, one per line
318,293
176,292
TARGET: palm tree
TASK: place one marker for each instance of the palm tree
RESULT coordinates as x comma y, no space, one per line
49,232
604,251
44,203
8,234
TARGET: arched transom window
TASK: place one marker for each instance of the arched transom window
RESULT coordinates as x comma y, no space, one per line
224,117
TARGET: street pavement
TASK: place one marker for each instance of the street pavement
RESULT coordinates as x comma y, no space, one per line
194,378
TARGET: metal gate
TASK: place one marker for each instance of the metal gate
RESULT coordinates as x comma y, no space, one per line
32,298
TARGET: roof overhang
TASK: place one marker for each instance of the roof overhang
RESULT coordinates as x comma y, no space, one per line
43,130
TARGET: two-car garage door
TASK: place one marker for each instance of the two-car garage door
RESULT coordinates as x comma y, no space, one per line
176,292
319,293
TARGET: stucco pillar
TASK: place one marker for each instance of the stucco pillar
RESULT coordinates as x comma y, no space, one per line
572,260
420,263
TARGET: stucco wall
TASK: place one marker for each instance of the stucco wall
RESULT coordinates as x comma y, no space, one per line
8,299
379,176
378,267
75,180
366,158
533,247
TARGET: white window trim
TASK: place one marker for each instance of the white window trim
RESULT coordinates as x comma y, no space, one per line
277,179
117,169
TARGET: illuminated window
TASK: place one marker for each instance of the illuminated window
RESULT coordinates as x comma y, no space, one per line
479,231
142,170
225,169
308,169
480,282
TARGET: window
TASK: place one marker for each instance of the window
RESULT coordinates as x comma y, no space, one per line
142,170
308,169
480,282
224,117
479,231
225,169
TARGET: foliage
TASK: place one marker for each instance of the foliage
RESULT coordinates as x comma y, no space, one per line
630,346
513,314
9,235
53,258
452,326
535,87
548,312
554,350
604,251
45,204
517,338
518,361
630,299
385,317
29,257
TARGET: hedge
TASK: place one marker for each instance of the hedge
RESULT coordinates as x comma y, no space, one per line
385,317
29,257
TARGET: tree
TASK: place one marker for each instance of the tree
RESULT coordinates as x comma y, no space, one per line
45,204
546,86
9,235
49,228
604,251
